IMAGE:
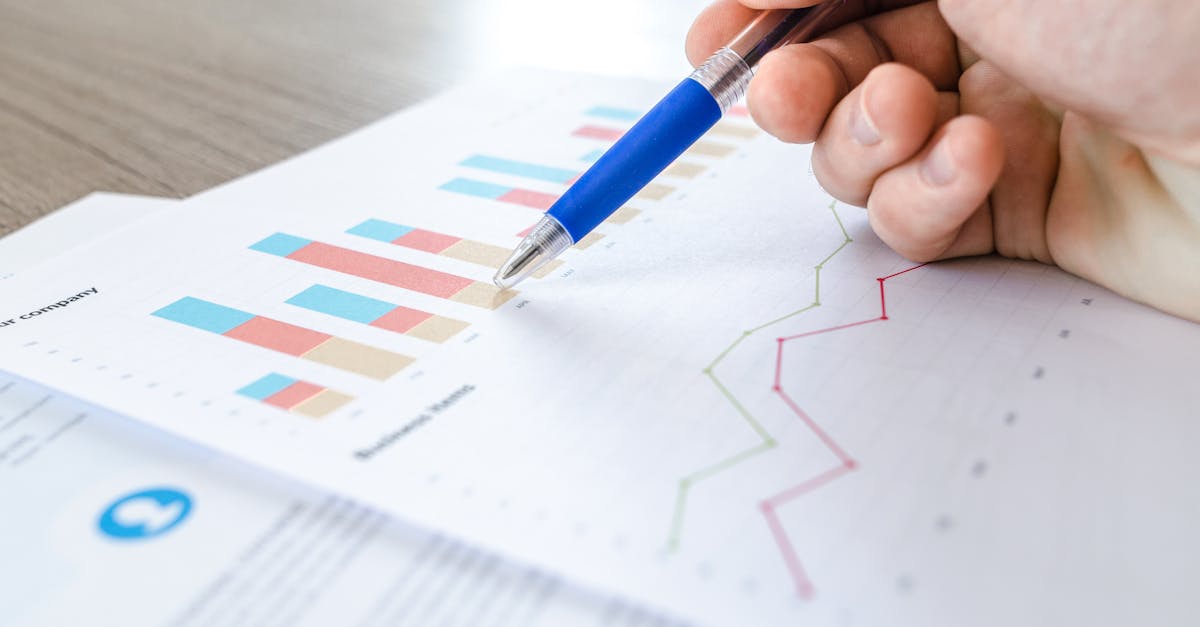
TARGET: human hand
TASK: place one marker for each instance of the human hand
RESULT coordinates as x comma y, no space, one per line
1066,132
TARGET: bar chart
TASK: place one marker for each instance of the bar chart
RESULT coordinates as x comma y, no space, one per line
285,338
383,270
295,396
478,253
377,313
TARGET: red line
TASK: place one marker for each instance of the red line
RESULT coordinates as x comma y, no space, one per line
804,586
812,425
808,486
779,365
829,330
892,276
882,301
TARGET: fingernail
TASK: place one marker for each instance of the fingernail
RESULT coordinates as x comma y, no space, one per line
938,168
862,128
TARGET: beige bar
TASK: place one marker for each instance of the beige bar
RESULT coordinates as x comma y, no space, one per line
710,149
655,191
322,404
739,131
359,358
478,252
547,269
685,170
623,215
588,240
437,329
483,295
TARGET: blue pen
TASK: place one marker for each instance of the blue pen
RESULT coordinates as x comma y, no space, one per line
670,128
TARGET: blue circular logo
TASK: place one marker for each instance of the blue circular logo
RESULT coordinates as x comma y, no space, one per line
145,514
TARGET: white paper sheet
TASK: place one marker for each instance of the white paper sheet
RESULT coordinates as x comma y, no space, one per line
248,548
708,409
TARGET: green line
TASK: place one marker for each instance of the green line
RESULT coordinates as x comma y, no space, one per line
725,353
730,462
791,315
685,487
767,441
758,428
833,208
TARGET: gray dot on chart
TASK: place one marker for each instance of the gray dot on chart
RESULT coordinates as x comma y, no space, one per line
749,586
905,584
979,469
580,529
704,570
944,523
1010,419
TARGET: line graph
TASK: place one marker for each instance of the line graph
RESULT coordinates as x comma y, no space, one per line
845,462
766,440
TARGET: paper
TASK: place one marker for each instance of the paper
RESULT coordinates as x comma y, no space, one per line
115,523
733,402
197,539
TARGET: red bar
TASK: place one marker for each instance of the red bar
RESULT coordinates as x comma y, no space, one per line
278,336
532,199
293,395
599,132
427,241
381,269
401,319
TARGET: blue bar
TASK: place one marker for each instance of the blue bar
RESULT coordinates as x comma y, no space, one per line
281,244
344,305
593,156
476,188
614,113
267,387
380,230
204,315
519,168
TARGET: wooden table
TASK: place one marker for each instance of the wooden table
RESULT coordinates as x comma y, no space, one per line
171,98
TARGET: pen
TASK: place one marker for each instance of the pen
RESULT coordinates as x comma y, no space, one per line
664,133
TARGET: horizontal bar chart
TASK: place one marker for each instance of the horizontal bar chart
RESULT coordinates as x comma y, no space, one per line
592,156
285,338
703,147
501,193
450,246
296,396
383,270
520,168
377,313
614,113
739,131
588,240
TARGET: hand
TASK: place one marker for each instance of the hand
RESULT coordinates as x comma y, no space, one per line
1063,131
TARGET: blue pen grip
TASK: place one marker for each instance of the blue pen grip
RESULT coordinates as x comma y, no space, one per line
673,125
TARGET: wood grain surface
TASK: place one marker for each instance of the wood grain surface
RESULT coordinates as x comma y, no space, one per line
171,98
